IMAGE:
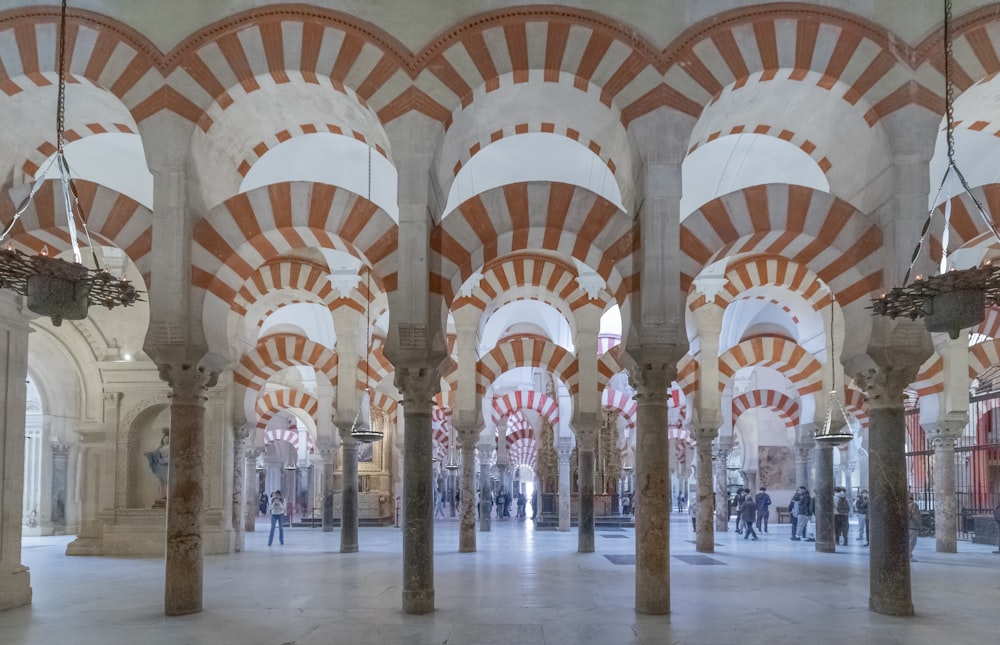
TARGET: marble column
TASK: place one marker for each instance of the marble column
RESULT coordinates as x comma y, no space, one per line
467,436
451,487
418,386
349,492
15,581
902,353
586,441
485,490
185,484
705,535
652,378
329,455
250,494
725,445
240,435
804,446
564,449
60,470
823,499
943,435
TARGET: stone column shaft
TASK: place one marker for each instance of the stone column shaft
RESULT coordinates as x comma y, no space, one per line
250,490
60,471
945,504
705,535
485,490
240,435
329,480
565,449
467,496
349,493
185,481
418,386
824,498
585,483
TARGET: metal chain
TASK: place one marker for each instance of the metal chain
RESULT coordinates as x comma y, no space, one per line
949,90
61,103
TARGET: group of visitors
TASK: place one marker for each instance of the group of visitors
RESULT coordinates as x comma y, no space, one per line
751,511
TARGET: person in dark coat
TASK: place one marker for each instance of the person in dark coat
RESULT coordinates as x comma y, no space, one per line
748,513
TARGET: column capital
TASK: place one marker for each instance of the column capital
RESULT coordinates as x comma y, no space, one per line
241,431
188,381
890,361
704,433
485,451
653,368
253,452
60,448
943,433
418,384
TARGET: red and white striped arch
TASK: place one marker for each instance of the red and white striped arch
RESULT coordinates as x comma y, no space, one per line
856,404
439,426
550,216
832,49
810,228
527,352
271,403
554,278
42,153
990,327
754,272
114,219
983,356
966,223
609,364
291,436
687,374
622,402
797,140
286,273
251,228
785,407
280,137
374,368
787,357
275,352
384,402
509,403
518,426
930,377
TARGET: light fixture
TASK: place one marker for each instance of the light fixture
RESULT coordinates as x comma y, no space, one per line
362,429
828,435
954,299
51,286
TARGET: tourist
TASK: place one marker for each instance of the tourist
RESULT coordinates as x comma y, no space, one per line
763,502
277,517
861,510
522,502
439,505
793,510
738,506
841,514
693,512
262,503
748,513
805,513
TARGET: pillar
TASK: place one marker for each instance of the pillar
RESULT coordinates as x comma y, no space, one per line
804,446
485,490
725,445
943,435
240,498
60,472
586,442
704,535
893,361
823,499
467,434
15,582
418,386
652,377
250,494
329,455
349,491
185,484
564,448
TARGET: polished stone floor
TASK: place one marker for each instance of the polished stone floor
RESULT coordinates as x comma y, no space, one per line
522,586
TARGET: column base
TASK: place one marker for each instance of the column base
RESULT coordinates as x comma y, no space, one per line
15,588
350,548
889,607
418,602
182,610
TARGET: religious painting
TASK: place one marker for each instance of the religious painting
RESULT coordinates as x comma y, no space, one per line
776,467
366,453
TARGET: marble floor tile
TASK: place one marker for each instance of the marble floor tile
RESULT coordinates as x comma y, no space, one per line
521,586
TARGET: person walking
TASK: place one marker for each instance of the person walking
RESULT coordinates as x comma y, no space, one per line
693,512
738,506
277,517
805,512
861,510
439,505
841,514
793,510
748,513
763,501
915,523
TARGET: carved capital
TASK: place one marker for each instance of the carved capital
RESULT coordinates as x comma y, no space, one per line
253,453
653,368
418,385
241,432
883,386
704,433
187,381
485,451
60,449
945,432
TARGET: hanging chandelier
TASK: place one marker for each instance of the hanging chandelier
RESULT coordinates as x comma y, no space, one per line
362,429
828,435
955,299
51,286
